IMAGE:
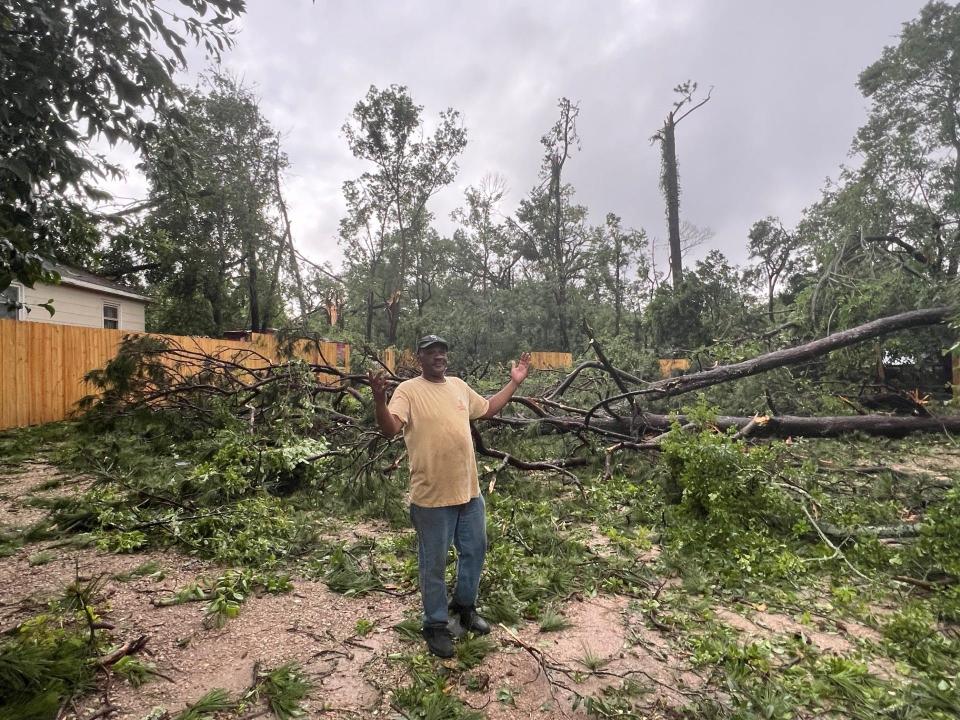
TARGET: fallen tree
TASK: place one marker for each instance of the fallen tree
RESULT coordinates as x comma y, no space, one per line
672,387
771,426
154,374
260,431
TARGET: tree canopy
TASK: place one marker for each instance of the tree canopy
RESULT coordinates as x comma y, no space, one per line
72,71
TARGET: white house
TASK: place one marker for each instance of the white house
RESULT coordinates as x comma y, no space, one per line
81,298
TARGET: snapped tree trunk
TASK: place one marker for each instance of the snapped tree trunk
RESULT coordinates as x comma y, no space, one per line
670,179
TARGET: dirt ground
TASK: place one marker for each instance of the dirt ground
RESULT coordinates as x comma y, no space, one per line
531,674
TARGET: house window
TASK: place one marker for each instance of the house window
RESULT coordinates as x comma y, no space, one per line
111,316
11,301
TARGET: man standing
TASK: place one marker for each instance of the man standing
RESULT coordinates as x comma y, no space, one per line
434,413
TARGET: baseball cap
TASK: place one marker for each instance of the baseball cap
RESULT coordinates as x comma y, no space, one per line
428,340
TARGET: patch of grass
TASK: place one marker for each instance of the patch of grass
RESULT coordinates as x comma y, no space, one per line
150,568
429,698
50,483
349,569
283,688
409,629
133,670
225,594
41,558
591,660
615,701
552,621
12,538
363,627
501,606
32,443
507,696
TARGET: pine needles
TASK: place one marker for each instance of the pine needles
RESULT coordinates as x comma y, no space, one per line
41,666
216,700
283,688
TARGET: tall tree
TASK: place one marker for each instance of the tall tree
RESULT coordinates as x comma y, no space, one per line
670,172
484,247
775,251
711,305
365,238
911,142
887,234
72,70
386,130
620,260
214,192
556,239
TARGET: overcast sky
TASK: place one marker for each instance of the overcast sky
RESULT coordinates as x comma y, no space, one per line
783,111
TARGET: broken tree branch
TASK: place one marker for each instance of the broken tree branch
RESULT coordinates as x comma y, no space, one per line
671,387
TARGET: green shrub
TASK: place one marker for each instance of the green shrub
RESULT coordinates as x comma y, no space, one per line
724,506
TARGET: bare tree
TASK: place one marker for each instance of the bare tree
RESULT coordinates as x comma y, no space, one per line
669,173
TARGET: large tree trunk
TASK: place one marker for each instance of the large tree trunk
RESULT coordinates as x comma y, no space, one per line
777,426
254,298
791,356
294,263
783,426
670,178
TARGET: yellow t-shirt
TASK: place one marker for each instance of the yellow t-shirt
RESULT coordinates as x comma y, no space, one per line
436,429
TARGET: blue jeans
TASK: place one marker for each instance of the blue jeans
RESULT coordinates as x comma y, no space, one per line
463,526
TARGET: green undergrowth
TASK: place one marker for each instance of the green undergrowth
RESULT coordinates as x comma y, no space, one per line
723,520
430,690
32,444
786,676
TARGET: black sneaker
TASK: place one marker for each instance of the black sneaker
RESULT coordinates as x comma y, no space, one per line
470,621
439,640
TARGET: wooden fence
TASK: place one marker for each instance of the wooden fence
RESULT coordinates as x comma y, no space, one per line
42,365
551,360
673,366
405,359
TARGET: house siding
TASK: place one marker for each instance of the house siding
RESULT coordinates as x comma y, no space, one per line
79,306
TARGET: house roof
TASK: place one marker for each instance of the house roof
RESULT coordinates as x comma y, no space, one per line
87,280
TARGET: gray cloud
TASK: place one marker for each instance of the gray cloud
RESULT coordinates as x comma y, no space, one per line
783,113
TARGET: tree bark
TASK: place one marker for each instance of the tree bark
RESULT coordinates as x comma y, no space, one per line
671,191
778,426
672,387
784,426
294,264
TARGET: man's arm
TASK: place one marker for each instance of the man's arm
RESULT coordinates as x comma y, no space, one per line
388,423
518,373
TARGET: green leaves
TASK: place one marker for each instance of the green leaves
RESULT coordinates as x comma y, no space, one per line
727,510
386,235
18,168
67,65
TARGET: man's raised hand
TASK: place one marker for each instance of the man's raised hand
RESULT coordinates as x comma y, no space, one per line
518,371
378,384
